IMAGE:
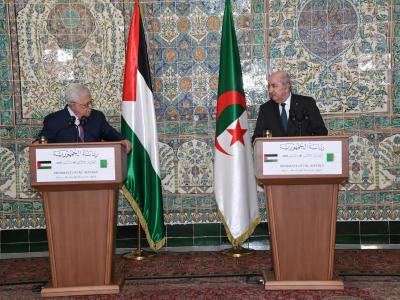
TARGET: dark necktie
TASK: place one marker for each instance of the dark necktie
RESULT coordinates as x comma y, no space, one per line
284,119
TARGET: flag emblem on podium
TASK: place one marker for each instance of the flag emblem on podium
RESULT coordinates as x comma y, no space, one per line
270,157
44,164
103,163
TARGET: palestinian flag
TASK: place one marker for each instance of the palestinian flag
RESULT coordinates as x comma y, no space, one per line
43,164
234,178
270,157
142,186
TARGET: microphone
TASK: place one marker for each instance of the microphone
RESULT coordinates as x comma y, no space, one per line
305,113
71,121
43,139
299,117
83,120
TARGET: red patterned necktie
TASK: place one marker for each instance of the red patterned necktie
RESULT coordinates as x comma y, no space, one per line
81,133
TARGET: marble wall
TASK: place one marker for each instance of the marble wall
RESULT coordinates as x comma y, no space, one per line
344,53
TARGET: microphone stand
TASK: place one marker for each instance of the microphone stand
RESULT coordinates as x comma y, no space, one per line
42,139
300,119
77,133
300,127
71,122
293,117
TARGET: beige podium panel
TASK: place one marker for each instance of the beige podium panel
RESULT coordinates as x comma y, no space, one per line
301,177
79,184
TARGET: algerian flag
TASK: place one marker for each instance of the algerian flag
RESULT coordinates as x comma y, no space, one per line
235,183
142,186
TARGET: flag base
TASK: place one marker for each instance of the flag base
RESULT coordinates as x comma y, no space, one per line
237,252
138,254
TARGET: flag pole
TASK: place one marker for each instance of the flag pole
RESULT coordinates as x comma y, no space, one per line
142,186
139,254
237,251
234,181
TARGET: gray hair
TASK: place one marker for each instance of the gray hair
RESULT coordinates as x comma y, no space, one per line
286,79
75,92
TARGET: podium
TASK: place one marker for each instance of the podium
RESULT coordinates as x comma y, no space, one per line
79,183
301,177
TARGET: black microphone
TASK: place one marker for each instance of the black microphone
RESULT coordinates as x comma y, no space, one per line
300,117
83,120
305,114
71,121
43,139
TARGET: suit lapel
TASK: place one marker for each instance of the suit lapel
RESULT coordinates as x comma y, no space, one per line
66,120
294,105
66,114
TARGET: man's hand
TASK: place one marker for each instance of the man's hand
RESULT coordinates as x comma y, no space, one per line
127,145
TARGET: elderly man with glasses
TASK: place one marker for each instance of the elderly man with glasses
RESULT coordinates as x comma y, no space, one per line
79,122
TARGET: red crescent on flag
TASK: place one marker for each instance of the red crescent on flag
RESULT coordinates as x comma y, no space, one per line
224,100
229,98
219,148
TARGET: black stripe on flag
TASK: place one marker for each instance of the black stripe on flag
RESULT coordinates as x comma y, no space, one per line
143,60
270,157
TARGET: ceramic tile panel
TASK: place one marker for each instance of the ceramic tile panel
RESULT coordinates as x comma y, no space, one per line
64,42
6,101
344,53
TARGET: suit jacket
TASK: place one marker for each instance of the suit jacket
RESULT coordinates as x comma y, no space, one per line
304,118
58,128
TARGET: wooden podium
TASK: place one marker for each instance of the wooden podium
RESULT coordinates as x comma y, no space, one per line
301,177
79,187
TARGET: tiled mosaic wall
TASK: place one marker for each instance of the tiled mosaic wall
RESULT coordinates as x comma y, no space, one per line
345,53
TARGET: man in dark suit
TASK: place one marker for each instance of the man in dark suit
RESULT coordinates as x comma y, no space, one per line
79,122
287,114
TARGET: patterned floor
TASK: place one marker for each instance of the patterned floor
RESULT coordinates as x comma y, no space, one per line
367,274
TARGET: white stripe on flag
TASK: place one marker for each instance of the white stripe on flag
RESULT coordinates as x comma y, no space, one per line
140,116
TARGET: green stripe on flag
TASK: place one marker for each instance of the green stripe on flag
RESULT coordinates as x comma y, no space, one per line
144,187
229,61
229,115
270,160
44,167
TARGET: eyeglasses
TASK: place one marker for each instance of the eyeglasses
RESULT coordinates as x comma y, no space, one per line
87,105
